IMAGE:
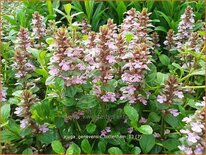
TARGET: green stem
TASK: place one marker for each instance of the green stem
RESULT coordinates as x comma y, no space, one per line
78,126
193,87
162,127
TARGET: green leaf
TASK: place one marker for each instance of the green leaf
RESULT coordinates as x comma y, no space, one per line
87,102
27,151
50,40
121,8
198,72
164,59
91,128
86,147
59,122
42,72
5,112
71,91
67,8
132,115
17,93
49,80
145,129
114,150
147,142
34,52
136,150
68,101
129,36
171,144
179,67
73,149
57,147
154,117
101,146
59,84
160,28
171,120
41,58
161,77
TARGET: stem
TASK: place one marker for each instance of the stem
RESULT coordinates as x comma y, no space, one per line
162,127
193,87
80,130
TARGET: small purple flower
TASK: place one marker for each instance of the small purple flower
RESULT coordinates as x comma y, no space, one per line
161,98
43,128
3,93
198,150
111,59
53,71
109,96
174,112
130,130
105,131
143,120
179,94
167,131
187,150
24,123
187,119
19,111
197,127
157,135
192,137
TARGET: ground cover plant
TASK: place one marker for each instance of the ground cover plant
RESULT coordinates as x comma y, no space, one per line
103,78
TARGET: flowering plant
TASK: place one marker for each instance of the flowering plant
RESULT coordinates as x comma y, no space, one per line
121,89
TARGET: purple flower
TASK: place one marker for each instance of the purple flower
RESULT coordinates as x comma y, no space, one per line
19,111
187,119
192,137
43,128
105,131
179,94
3,93
199,150
130,130
109,96
187,150
143,120
53,71
24,123
161,98
157,135
65,66
111,59
167,131
197,127
174,112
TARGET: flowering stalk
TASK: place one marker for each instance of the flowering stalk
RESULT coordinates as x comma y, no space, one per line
193,133
86,28
24,110
103,60
23,64
39,27
170,42
74,116
130,23
155,39
195,42
23,40
67,60
170,91
185,27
